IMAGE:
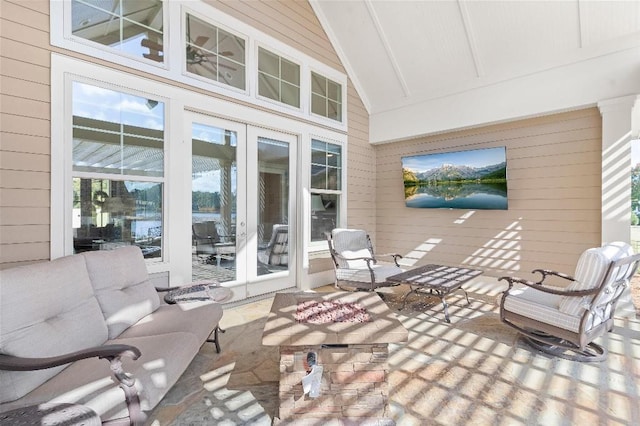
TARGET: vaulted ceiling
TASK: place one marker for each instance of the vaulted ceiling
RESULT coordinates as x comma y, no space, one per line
416,64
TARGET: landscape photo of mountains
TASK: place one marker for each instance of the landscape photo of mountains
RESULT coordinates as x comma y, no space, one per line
473,179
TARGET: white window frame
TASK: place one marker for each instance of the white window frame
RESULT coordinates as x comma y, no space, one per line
275,102
341,193
343,91
176,205
203,80
174,67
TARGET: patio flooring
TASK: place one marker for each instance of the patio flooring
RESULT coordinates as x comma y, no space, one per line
474,370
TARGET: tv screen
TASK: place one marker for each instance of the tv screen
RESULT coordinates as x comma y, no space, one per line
473,179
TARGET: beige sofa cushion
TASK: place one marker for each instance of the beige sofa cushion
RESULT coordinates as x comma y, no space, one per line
46,309
200,318
122,286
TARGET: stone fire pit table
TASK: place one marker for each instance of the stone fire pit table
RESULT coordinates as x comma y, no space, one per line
348,334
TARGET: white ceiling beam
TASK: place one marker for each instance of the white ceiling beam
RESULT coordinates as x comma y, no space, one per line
387,47
581,25
471,39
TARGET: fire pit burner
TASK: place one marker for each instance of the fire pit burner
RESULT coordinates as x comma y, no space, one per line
329,311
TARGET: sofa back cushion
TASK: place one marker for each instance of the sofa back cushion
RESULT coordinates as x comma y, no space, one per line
121,283
46,309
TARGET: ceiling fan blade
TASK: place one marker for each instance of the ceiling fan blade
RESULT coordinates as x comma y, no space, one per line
153,57
151,45
200,40
226,53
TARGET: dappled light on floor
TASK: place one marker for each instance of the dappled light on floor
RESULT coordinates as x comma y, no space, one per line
473,371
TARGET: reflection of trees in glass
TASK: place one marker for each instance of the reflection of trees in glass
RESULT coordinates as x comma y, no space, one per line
453,190
208,201
635,193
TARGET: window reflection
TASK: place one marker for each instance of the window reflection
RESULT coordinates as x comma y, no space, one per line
133,27
108,214
214,53
115,132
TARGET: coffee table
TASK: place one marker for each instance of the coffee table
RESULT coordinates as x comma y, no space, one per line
201,291
437,279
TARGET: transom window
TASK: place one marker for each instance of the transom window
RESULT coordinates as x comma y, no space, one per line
326,187
278,78
326,97
132,27
214,53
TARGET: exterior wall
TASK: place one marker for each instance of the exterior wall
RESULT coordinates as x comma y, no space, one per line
25,112
24,132
554,166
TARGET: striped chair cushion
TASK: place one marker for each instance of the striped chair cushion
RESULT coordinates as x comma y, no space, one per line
540,306
590,271
351,243
381,273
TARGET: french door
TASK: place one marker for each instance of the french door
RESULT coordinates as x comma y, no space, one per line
243,214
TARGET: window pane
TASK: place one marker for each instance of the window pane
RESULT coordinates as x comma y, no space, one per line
116,132
213,201
334,111
214,53
231,73
324,215
326,165
326,97
290,94
290,72
318,84
318,176
108,214
318,105
268,63
278,78
333,178
231,47
134,27
333,91
268,87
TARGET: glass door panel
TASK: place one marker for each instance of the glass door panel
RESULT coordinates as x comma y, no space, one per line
272,206
241,206
214,192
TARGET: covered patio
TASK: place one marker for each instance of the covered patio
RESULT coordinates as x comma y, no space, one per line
471,371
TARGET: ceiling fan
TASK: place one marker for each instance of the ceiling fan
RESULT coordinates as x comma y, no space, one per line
195,54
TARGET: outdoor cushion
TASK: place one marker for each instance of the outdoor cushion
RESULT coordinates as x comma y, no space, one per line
540,306
200,318
122,286
590,270
53,304
354,254
381,272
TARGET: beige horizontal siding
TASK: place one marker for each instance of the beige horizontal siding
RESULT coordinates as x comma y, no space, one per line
25,131
554,188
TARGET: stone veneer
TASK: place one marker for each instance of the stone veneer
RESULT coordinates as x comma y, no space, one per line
353,355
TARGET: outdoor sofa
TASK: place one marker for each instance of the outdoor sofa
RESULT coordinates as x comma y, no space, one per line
97,320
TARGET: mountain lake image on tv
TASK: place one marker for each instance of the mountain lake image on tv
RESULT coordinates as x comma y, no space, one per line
474,180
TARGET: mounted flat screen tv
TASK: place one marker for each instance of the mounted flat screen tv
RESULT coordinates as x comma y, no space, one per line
474,179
